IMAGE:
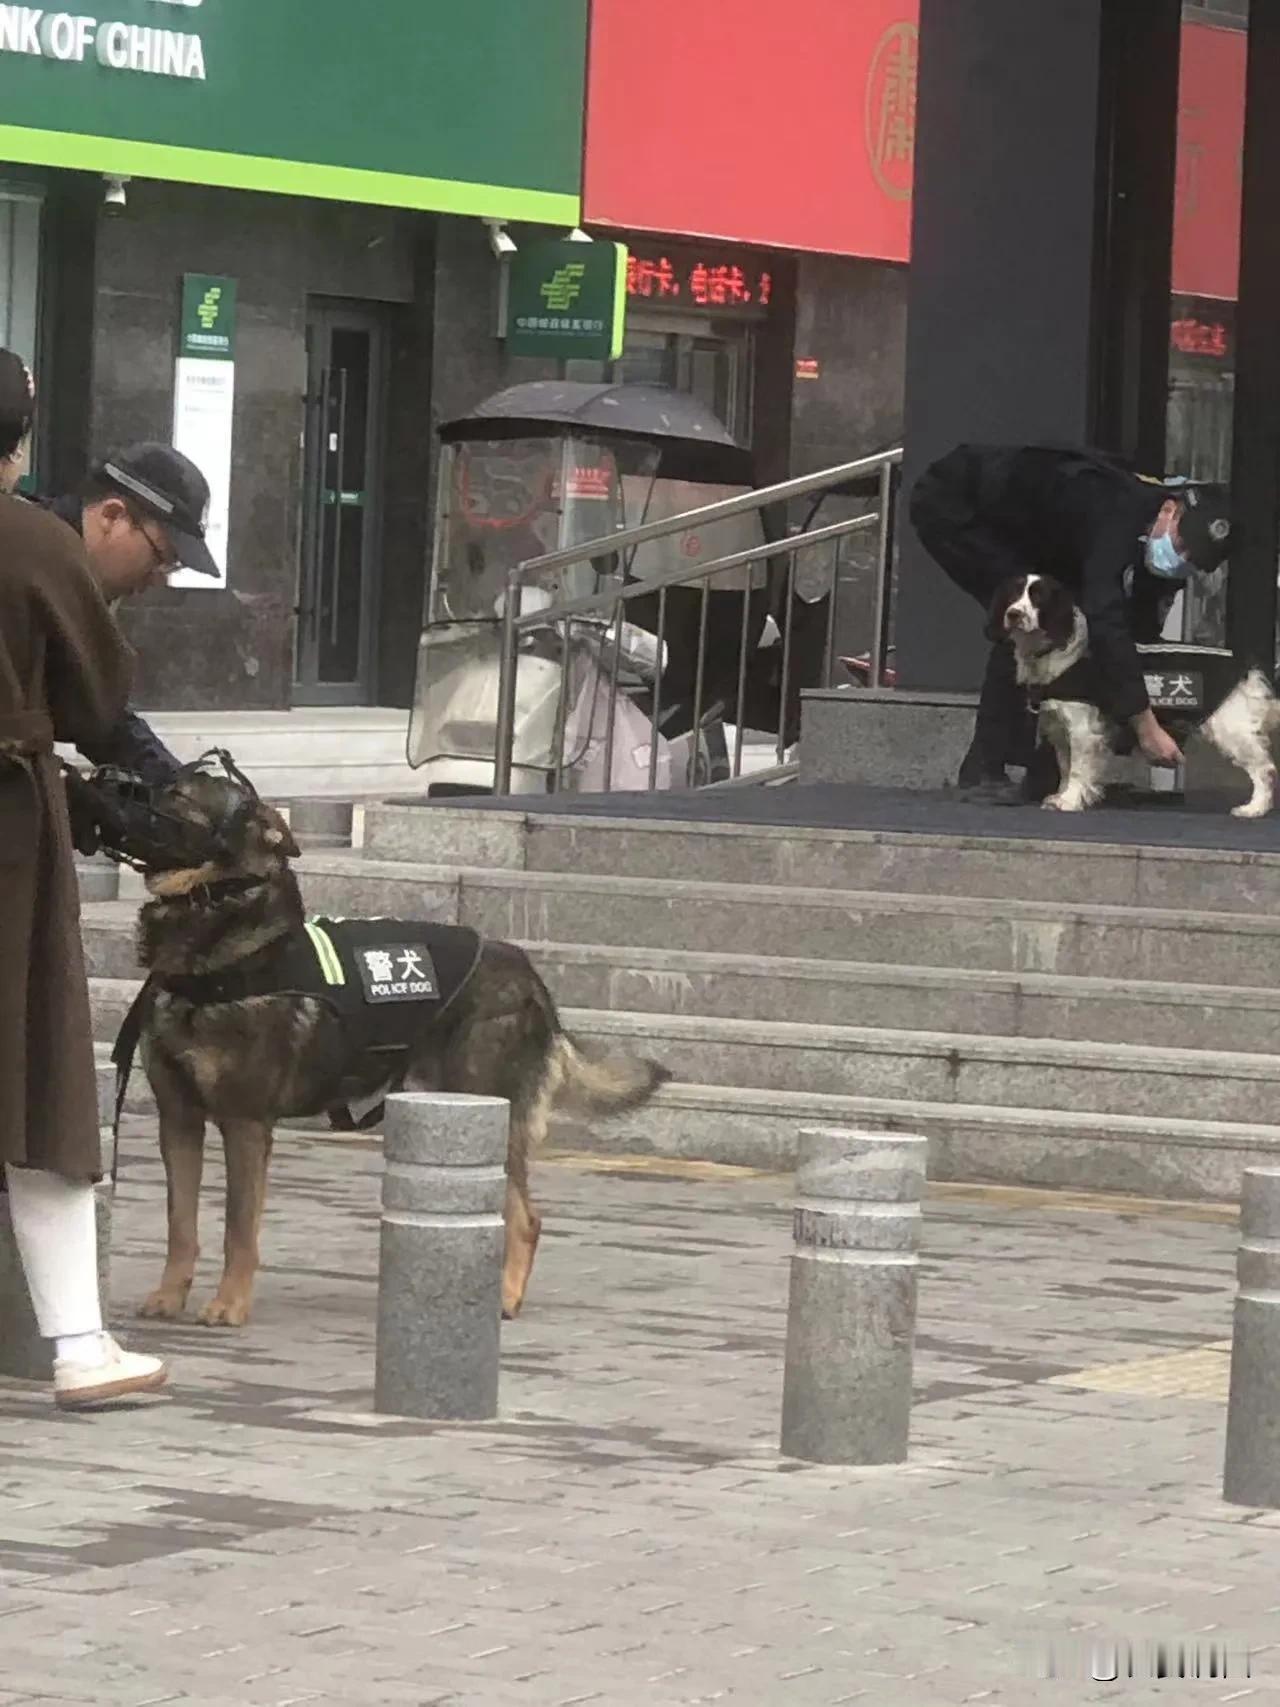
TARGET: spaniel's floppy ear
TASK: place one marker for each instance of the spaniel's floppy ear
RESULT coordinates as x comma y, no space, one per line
1057,611
1006,593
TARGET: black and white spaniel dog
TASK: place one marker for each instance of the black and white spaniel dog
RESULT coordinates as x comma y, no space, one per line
1051,645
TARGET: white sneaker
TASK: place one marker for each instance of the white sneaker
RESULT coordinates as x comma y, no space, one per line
113,1375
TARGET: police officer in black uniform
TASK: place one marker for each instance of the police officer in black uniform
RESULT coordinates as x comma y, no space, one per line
1124,543
141,516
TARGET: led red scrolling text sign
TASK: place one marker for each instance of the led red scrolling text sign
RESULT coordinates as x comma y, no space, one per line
696,282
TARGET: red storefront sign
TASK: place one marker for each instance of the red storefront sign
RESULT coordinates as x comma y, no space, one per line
793,126
1206,233
788,125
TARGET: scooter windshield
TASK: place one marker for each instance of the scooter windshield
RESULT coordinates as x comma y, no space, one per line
511,500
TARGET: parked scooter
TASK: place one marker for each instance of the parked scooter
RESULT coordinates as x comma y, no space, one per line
541,468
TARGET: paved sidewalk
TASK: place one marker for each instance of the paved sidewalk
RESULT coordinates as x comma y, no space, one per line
627,1534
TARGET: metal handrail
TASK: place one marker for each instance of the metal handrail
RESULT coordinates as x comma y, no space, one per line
591,602
514,622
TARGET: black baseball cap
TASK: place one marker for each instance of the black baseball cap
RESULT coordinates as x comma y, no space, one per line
1204,526
168,486
17,401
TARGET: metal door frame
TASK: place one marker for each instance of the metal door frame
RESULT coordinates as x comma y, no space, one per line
324,315
737,335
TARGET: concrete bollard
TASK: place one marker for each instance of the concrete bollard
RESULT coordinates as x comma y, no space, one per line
1251,1473
440,1271
852,1313
24,1355
98,878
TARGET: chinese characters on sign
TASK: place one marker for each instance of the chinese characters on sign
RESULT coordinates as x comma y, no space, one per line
1169,692
208,316
693,281
568,301
891,110
398,973
1192,337
204,401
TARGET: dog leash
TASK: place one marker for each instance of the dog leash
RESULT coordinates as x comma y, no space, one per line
123,1053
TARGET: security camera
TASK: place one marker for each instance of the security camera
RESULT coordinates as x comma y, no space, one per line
500,240
115,198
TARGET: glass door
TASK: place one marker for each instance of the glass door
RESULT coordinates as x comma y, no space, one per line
20,283
342,510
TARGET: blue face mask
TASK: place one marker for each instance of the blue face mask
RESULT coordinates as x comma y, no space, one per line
1165,560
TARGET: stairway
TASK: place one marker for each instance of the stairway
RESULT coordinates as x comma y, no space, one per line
1080,1015
312,753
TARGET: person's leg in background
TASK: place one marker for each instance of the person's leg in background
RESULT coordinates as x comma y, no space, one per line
1003,731
1005,734
54,1226
947,512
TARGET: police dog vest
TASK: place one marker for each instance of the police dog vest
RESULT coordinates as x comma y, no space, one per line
384,979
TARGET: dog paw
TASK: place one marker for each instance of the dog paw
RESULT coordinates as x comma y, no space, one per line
510,1307
225,1313
1053,803
1249,810
164,1306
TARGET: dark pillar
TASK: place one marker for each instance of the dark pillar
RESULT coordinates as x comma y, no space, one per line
1137,176
1255,463
1043,214
72,213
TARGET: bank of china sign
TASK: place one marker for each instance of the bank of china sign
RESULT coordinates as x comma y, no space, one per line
73,38
189,92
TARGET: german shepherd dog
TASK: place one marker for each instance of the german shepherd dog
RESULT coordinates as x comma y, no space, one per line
250,1062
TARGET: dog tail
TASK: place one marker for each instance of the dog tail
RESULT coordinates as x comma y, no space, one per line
591,1083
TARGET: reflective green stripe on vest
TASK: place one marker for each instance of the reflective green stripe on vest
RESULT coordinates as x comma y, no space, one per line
327,955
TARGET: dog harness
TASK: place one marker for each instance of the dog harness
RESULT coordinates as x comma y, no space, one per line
383,979
1083,681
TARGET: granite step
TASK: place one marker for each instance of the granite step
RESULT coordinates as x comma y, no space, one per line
946,1067
918,929
794,856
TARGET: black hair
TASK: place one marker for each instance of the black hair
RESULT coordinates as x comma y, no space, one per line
17,402
12,433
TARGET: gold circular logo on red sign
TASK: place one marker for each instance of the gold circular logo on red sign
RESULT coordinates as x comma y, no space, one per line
891,110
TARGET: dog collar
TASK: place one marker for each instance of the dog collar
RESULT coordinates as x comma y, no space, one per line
209,894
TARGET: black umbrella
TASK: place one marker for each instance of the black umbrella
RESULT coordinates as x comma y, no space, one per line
693,444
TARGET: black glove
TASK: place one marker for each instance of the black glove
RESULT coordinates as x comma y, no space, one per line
81,811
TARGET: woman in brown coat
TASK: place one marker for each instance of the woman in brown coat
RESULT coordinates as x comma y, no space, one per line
64,676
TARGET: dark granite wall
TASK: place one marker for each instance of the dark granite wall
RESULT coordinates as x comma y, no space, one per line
437,282
233,648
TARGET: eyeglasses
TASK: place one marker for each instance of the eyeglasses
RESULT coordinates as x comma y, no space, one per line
166,558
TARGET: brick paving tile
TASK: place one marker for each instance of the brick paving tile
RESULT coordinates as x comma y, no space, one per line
626,1532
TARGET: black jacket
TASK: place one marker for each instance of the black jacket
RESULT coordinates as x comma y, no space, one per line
133,744
986,513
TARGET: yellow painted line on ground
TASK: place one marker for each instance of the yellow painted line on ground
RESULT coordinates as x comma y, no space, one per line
998,1196
1089,1202
1201,1374
582,1161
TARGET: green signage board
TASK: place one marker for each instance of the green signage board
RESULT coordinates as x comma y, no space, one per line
568,301
472,107
208,318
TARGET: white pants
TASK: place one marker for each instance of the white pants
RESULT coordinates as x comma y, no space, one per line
55,1227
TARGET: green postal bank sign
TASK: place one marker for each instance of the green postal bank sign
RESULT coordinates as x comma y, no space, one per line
465,106
568,301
